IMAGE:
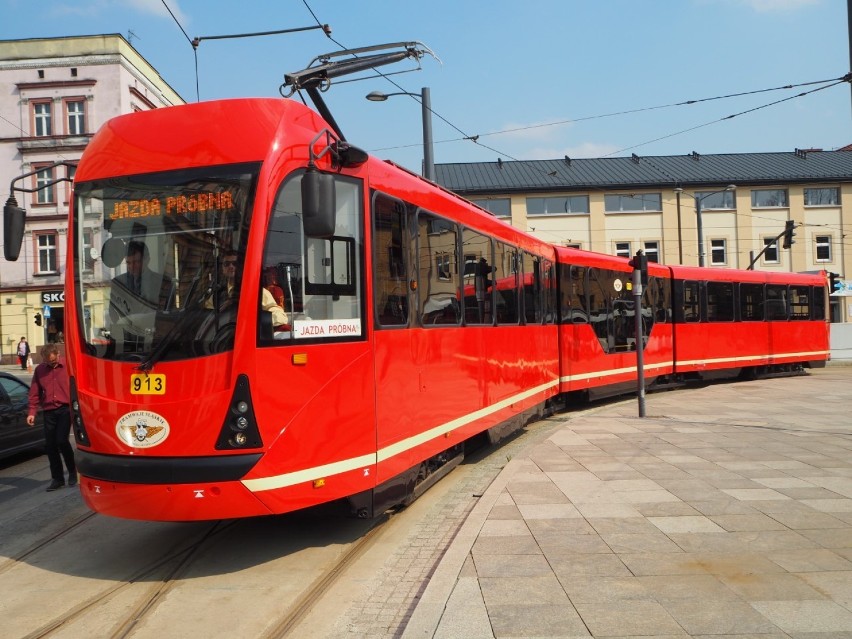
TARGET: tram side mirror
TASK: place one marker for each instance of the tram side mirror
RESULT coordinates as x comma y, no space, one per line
318,204
13,229
113,252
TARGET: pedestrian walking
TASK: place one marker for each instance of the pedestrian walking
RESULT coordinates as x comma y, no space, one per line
49,389
23,353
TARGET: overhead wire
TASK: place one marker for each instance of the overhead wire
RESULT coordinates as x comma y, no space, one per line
828,84
413,96
194,48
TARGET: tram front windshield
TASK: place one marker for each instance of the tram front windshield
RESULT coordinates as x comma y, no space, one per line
158,262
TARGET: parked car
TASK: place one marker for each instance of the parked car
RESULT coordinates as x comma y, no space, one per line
15,435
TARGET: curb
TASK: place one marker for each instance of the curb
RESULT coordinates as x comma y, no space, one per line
430,609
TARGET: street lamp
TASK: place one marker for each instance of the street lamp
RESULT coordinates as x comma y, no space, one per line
699,224
425,103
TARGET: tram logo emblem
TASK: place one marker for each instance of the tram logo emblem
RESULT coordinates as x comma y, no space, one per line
142,429
199,494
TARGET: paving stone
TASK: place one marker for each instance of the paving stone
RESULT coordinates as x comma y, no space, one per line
629,617
770,587
718,617
806,616
536,620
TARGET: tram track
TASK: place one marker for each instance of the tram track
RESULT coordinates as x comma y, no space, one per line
303,605
182,559
43,543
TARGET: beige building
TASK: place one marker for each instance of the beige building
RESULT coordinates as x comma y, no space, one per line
744,203
54,95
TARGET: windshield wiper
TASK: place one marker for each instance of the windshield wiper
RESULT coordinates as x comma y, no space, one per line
179,326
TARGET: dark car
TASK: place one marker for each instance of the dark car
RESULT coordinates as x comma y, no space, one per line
15,435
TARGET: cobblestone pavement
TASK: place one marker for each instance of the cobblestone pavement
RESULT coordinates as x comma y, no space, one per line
401,580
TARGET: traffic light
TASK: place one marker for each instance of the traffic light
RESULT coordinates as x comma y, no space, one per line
37,319
640,262
834,283
789,225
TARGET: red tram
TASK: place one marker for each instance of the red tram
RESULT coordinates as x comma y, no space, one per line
412,320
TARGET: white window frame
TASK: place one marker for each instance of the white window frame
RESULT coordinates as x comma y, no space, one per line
44,194
643,198
560,205
622,249
652,250
489,204
832,189
822,241
718,245
717,200
75,120
771,255
781,193
42,118
47,252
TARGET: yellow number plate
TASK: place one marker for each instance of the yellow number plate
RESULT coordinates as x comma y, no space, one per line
141,384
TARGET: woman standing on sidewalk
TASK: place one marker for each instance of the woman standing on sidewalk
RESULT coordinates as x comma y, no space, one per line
49,389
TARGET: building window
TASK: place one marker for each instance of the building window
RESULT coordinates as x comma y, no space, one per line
42,124
622,249
822,197
769,198
770,254
633,203
499,206
46,253
719,200
823,248
443,264
574,245
88,243
558,205
76,110
652,251
46,193
718,252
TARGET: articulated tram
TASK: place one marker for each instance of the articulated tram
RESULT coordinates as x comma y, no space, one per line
404,320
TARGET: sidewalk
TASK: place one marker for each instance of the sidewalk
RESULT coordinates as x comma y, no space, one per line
726,511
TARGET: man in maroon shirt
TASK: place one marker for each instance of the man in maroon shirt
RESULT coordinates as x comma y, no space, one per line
49,389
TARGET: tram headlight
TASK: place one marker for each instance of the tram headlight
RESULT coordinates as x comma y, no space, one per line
239,427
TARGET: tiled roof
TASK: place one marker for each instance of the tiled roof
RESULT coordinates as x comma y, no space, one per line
742,169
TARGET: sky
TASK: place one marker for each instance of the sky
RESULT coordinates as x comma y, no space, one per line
538,79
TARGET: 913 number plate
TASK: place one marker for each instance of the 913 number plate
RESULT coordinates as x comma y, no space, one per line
141,384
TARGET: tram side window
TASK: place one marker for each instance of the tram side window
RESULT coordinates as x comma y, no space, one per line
506,276
751,302
623,312
532,289
776,302
818,303
657,300
691,301
600,308
320,277
390,261
549,291
800,302
573,292
720,302
478,284
438,273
